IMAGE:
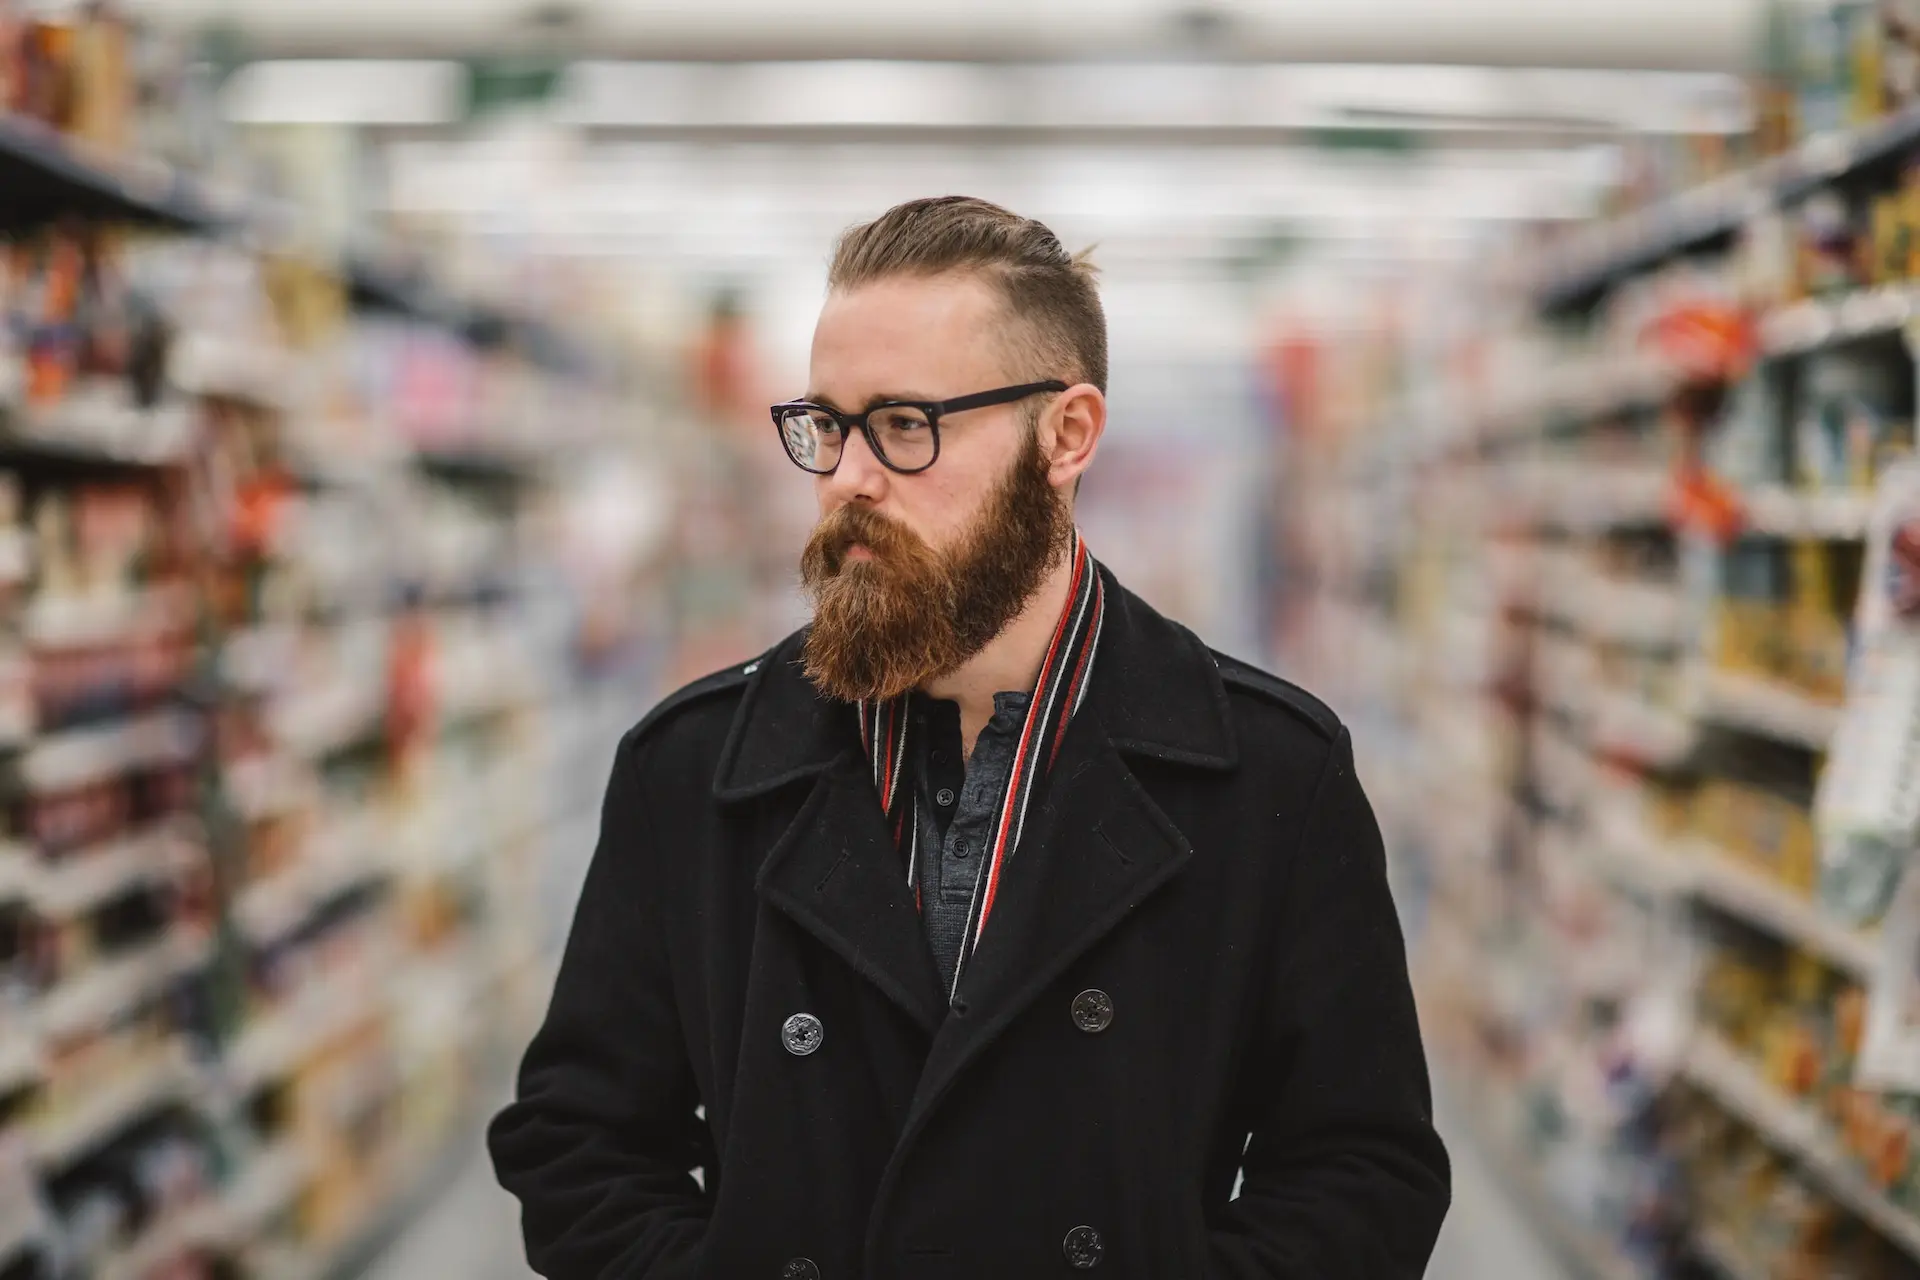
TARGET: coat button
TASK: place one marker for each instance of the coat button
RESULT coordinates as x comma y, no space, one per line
1084,1248
800,1269
1093,1010
802,1034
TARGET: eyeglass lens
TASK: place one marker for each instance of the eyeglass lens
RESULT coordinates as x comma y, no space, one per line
900,433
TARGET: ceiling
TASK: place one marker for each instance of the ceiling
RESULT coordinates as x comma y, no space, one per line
1714,35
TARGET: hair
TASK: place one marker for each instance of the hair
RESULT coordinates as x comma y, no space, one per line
1049,290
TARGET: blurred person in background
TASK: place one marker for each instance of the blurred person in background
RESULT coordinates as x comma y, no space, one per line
992,925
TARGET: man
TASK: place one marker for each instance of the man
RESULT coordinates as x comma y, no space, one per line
991,926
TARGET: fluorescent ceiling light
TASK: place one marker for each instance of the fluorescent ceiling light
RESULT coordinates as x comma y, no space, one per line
347,92
1160,95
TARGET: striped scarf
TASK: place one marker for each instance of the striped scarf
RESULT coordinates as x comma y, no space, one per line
1057,694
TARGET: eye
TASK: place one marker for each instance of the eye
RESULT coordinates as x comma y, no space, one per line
900,420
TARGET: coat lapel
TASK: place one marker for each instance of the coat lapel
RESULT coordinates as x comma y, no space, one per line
835,870
1101,847
837,873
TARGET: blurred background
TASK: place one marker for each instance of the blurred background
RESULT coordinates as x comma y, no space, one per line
382,431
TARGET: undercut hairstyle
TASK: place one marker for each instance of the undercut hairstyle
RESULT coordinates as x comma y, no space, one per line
1047,290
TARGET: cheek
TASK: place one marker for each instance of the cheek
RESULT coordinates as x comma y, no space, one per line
942,514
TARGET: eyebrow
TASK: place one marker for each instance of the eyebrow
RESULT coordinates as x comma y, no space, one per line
874,401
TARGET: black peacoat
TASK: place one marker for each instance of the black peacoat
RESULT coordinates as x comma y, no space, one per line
1193,974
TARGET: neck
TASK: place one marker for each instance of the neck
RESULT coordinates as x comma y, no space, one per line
1011,661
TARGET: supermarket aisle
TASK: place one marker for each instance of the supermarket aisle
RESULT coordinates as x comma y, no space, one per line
472,1231
1486,1236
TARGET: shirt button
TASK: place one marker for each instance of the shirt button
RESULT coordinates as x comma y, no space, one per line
800,1269
1084,1248
960,849
945,797
1093,1011
802,1034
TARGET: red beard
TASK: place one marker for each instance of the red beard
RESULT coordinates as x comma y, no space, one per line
885,626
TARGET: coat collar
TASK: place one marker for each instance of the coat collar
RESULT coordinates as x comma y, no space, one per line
1156,690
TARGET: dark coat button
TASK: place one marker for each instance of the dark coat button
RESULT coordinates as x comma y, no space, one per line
802,1034
800,1269
945,797
1093,1010
1084,1248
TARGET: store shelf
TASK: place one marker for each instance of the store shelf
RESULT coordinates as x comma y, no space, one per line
1769,709
289,1036
258,373
261,1187
1708,216
1723,1254
74,758
1818,323
1702,218
110,985
377,287
1627,726
1627,855
1697,869
1760,900
138,1091
19,871
330,718
44,177
1622,611
1779,512
1839,156
104,618
1595,386
271,908
94,430
1798,1131
16,556
477,464
21,1059
84,879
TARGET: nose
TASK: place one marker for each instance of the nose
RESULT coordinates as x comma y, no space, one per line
860,477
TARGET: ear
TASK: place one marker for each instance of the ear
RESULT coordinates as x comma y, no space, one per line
1078,420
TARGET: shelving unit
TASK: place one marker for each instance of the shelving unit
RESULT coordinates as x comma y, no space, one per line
1579,272
1585,552
274,718
1718,1069
45,176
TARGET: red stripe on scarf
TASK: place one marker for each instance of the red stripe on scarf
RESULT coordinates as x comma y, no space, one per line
1079,675
1026,737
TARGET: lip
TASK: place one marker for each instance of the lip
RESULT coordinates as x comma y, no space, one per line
858,551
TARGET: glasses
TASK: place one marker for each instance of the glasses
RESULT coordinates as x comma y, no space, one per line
903,434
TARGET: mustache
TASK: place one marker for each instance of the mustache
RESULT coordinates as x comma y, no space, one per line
890,541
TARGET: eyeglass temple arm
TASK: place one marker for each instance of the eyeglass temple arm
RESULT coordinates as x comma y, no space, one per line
1001,395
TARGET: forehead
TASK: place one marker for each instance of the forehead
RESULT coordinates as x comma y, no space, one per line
932,335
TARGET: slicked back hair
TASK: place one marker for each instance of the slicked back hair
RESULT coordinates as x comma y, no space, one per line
1049,292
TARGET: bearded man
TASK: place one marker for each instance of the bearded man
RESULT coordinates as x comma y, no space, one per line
992,926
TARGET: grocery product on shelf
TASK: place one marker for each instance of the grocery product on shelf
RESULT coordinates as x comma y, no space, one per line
1602,587
281,717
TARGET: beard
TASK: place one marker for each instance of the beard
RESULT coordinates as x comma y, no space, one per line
885,626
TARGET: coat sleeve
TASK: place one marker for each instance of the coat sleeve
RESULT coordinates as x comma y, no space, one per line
1344,1176
601,1137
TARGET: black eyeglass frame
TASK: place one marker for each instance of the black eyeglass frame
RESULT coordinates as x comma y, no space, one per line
934,409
